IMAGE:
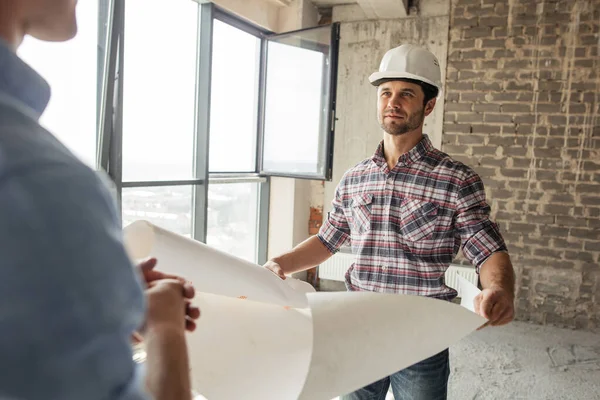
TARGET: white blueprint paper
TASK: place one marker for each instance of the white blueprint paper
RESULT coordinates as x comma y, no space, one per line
266,339
468,292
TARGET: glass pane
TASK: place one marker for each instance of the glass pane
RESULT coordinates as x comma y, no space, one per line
169,207
297,103
71,69
234,100
159,89
233,218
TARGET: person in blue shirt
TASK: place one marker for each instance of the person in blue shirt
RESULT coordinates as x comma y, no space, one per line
70,300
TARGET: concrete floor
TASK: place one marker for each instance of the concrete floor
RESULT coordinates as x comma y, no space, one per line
525,361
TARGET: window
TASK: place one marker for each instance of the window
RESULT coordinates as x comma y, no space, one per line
167,206
234,99
71,69
159,89
298,106
205,109
233,218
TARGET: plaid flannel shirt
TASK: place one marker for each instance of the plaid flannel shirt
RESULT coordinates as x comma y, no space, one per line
406,225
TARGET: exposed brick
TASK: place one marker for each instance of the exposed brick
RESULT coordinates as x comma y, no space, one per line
551,186
493,21
500,32
472,96
458,107
579,256
557,119
463,44
592,246
485,128
462,86
478,32
588,188
465,75
461,65
492,86
505,96
548,108
512,85
519,162
471,54
515,151
497,118
525,129
494,162
484,151
469,117
545,186
591,201
491,43
517,64
539,219
450,149
457,128
570,221
513,173
489,64
520,108
588,63
466,22
545,175
522,227
588,40
563,198
556,209
553,231
470,139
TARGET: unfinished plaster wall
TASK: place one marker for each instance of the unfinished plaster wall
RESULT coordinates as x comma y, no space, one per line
522,108
362,45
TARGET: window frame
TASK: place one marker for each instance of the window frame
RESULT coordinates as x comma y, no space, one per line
110,116
331,115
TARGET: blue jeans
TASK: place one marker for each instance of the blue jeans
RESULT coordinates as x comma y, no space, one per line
426,380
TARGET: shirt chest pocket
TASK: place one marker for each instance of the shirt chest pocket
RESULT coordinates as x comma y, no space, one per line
360,210
417,219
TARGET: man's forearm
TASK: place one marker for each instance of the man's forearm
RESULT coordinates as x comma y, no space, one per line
168,372
307,254
497,271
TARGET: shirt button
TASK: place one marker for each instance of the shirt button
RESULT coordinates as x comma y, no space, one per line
384,267
390,181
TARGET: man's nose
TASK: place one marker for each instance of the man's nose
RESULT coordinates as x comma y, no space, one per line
393,103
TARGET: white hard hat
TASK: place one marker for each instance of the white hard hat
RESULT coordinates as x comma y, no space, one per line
411,62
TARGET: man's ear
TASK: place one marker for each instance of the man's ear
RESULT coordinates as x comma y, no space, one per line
430,106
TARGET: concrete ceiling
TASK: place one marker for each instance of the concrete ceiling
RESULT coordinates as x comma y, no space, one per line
376,9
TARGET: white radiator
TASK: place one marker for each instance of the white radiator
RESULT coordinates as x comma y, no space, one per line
335,268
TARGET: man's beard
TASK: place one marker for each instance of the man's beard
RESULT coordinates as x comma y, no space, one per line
412,122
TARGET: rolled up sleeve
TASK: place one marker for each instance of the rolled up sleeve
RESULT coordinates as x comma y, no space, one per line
335,231
480,237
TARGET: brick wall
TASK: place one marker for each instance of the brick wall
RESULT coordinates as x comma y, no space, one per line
522,108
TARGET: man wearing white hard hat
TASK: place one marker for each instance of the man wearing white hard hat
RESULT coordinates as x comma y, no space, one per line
406,211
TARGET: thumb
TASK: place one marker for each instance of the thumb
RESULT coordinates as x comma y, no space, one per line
477,303
281,274
485,307
147,265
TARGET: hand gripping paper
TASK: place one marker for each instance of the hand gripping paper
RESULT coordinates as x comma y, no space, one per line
260,337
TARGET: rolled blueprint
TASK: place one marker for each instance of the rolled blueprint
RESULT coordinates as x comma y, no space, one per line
209,269
262,338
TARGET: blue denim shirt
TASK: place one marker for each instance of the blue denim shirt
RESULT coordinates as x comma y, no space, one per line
69,297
